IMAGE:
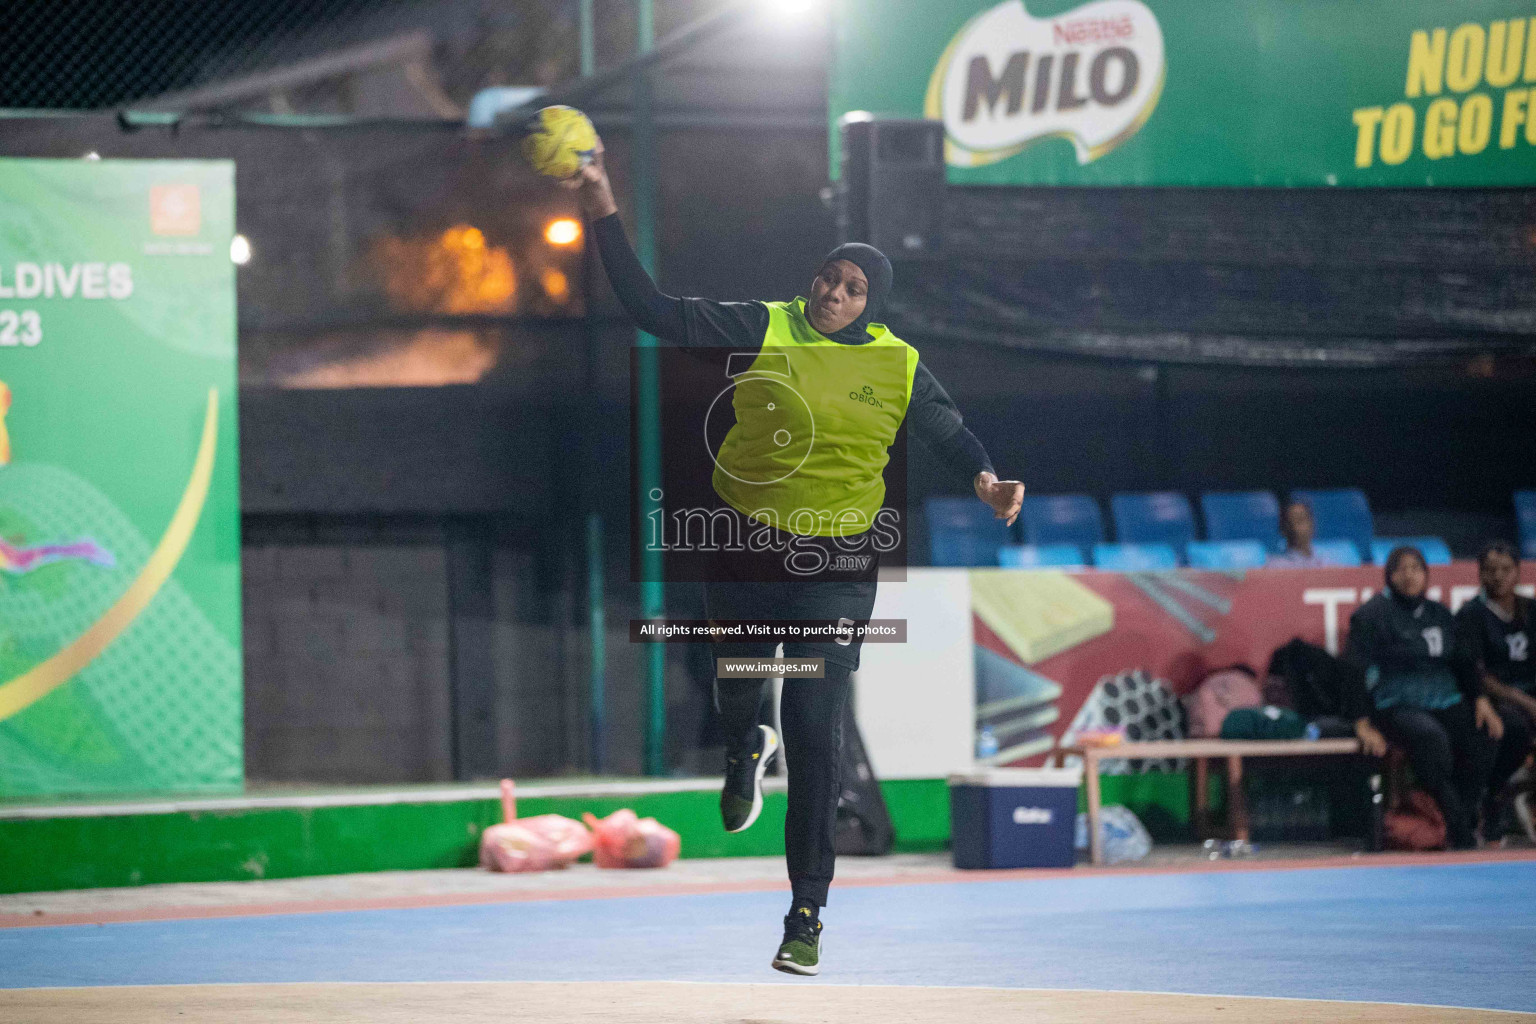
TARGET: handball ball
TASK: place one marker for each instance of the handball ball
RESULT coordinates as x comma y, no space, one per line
560,141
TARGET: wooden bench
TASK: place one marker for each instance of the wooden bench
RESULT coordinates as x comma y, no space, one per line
1200,751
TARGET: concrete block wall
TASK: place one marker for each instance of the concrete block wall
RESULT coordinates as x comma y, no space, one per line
348,666
544,670
346,661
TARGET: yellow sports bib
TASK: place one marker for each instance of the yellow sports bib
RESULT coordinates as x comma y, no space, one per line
814,423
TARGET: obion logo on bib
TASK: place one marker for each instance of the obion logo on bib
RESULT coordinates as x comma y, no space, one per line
1092,75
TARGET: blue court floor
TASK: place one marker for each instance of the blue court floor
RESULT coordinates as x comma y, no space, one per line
1453,935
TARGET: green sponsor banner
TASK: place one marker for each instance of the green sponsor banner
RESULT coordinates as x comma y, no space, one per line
1186,92
120,667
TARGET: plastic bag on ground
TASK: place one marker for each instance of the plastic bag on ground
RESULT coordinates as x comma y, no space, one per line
1122,836
1416,825
531,844
623,840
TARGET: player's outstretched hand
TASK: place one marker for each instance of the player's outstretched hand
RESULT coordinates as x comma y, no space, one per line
596,194
592,173
1005,497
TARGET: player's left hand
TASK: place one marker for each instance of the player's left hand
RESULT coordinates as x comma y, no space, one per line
1488,719
1005,497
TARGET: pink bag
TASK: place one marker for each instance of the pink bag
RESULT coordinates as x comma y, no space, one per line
1207,706
531,844
622,840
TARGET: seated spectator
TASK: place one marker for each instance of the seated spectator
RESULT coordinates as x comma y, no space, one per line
1297,527
1423,694
1497,628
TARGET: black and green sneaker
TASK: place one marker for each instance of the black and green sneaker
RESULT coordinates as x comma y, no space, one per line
800,952
741,798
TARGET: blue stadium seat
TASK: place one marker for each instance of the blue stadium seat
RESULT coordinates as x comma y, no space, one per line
1341,514
1040,556
1134,557
964,532
1062,519
1337,552
1525,513
1242,515
1157,517
1433,549
1225,554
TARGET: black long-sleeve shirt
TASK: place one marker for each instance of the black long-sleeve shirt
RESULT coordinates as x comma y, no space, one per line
931,414
1409,655
1501,646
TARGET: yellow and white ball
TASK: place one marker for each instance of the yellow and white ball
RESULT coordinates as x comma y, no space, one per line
560,141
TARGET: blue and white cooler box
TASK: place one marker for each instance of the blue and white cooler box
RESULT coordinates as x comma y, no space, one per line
1014,817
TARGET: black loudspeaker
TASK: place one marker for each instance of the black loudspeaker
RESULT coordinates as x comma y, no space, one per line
892,188
863,827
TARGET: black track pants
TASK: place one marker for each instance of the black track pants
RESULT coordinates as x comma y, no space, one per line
811,711
1452,758
1514,748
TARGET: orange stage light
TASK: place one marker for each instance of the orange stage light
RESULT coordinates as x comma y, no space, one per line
563,231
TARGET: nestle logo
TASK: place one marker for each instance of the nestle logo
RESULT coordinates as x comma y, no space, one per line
1032,815
1093,30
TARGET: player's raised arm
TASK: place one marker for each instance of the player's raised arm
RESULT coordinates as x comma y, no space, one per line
652,310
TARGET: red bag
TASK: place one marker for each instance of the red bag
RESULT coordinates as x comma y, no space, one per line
1416,825
1207,706
531,844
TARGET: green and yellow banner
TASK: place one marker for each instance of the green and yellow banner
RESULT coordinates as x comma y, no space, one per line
1186,92
120,666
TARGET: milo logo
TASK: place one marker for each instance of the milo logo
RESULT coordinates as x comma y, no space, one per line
1092,75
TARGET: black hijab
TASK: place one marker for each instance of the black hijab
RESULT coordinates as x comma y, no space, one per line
878,270
1393,561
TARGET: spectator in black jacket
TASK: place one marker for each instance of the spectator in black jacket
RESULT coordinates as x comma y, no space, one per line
1422,693
1498,627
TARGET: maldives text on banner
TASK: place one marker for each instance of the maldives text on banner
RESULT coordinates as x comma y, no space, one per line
120,667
